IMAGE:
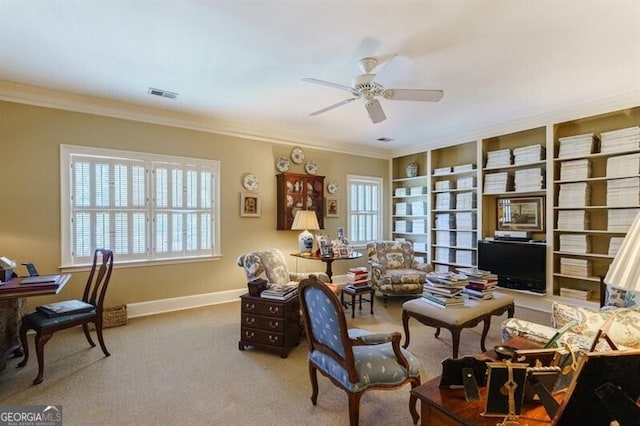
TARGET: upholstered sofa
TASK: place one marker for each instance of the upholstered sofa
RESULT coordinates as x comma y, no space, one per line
271,265
394,269
619,307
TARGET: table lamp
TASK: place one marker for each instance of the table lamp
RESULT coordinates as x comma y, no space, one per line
624,271
305,220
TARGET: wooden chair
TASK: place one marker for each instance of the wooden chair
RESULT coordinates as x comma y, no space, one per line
353,359
45,325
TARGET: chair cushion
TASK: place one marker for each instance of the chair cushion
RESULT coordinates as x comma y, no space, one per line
39,320
375,364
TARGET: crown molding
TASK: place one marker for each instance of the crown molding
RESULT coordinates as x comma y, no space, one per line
38,96
560,115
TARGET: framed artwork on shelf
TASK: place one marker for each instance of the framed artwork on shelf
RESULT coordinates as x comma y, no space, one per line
521,214
332,207
249,205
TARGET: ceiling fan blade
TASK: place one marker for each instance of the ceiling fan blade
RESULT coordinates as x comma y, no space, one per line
376,114
330,107
420,95
333,85
397,65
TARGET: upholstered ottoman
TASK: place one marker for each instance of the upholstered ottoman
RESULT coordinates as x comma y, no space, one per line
455,318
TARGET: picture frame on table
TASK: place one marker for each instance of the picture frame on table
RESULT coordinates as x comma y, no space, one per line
250,205
324,246
520,214
332,206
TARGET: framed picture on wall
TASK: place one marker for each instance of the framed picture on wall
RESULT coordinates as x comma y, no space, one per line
332,207
249,205
521,214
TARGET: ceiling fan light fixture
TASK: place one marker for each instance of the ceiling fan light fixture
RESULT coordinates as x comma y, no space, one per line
162,93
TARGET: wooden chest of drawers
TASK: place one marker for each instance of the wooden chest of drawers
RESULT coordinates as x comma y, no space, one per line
269,324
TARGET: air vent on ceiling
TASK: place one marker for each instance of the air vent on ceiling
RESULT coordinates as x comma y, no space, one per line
162,93
385,140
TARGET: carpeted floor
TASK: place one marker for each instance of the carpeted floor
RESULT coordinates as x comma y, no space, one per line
185,368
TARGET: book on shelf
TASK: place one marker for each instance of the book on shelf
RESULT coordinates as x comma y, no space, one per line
478,294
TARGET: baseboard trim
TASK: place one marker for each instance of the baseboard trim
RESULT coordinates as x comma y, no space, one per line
153,307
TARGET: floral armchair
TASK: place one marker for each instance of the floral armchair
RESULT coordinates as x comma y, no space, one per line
271,265
394,270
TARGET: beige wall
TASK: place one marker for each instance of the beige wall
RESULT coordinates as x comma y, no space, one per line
30,139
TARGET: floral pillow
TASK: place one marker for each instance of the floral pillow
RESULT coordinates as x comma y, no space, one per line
624,330
620,298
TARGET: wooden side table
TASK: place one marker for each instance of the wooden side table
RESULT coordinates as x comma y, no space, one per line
269,324
357,292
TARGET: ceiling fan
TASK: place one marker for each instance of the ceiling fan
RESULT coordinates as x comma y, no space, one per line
369,86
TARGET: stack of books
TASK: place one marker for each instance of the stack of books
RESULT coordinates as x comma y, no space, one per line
575,243
578,145
443,185
464,168
495,183
444,255
417,190
481,284
403,209
574,195
575,293
623,166
619,220
445,238
442,171
614,245
465,257
444,289
419,226
445,201
280,292
528,154
466,221
576,267
573,220
467,182
499,158
466,200
575,170
621,140
623,192
466,239
358,277
445,221
527,180
418,208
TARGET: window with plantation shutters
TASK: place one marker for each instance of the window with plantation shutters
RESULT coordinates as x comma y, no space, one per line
145,207
364,209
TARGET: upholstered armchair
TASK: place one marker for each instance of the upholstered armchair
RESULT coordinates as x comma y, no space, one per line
271,265
353,359
394,270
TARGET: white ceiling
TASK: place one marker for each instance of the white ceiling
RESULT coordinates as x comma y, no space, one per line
238,64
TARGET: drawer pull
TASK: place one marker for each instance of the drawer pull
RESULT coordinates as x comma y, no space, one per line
250,320
274,324
273,339
274,309
249,334
250,306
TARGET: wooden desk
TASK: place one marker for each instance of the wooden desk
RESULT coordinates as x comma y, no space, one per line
14,288
328,260
12,296
447,407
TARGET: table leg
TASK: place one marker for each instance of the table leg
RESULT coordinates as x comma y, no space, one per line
371,295
485,331
328,271
353,305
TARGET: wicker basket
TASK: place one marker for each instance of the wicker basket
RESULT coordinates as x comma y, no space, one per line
113,316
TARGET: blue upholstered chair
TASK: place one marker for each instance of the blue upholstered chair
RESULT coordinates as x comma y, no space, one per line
353,359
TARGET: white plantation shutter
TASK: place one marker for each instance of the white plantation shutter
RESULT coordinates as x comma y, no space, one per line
364,209
142,206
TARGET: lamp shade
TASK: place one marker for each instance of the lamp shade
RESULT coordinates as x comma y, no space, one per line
305,220
624,271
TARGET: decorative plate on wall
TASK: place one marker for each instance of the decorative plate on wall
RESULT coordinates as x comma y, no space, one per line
311,167
283,164
250,182
332,187
297,155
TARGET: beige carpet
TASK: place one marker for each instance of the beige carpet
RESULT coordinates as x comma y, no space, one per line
185,368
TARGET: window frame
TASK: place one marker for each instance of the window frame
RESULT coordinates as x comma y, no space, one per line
67,154
370,180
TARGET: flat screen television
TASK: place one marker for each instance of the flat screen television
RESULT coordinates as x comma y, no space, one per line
519,266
